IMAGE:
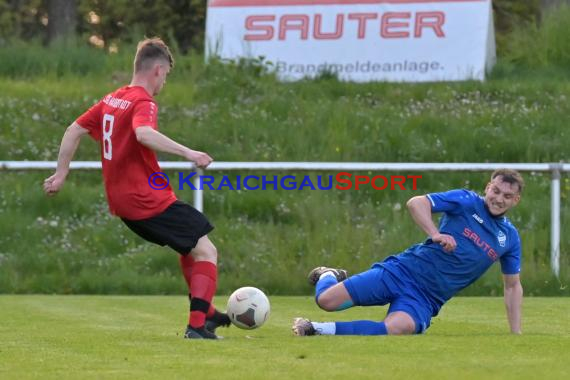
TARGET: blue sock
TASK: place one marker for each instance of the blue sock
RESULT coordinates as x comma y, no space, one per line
361,328
323,284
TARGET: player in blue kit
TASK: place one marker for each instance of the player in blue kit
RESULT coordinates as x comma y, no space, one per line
473,233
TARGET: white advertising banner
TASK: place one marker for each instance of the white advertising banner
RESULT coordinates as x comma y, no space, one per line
357,40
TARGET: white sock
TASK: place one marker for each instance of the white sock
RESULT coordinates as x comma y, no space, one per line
329,273
324,328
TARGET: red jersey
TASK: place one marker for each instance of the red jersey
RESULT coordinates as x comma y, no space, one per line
127,164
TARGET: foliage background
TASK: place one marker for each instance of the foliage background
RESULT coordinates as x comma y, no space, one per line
238,112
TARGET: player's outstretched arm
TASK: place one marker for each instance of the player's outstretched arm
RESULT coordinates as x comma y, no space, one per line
513,301
156,141
420,209
69,144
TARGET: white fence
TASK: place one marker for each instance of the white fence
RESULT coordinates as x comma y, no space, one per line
554,168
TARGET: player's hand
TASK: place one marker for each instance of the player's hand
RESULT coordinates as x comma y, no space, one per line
201,159
446,241
53,184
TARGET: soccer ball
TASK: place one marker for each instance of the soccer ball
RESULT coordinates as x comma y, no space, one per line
248,308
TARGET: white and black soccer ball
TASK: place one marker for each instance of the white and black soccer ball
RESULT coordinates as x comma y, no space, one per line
248,308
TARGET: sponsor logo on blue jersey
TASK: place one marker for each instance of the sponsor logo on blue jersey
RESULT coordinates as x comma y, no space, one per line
486,247
477,218
502,238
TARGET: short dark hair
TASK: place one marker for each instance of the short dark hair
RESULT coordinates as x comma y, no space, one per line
510,176
150,50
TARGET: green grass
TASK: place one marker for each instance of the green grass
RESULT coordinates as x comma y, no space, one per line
117,337
539,47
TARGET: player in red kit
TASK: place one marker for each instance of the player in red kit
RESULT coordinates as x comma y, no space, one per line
125,124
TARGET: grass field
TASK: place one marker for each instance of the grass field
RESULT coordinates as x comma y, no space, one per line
114,337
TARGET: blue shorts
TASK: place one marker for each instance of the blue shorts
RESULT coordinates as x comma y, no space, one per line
378,286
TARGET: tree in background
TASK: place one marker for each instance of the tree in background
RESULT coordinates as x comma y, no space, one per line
180,23
62,20
22,20
192,14
547,5
104,23
511,14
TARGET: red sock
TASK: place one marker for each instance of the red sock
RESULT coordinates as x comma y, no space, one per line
202,288
186,263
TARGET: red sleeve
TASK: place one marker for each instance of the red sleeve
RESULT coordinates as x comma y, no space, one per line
145,114
91,120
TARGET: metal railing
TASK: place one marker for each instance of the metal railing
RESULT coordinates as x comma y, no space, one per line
554,168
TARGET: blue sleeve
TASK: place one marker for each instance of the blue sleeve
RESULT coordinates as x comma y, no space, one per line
511,261
451,201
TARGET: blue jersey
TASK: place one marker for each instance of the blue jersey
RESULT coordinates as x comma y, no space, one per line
481,240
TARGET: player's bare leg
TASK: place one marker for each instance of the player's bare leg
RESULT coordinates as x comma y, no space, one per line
335,298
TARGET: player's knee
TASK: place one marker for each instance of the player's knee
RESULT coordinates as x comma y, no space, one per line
205,251
326,302
401,328
211,253
400,323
